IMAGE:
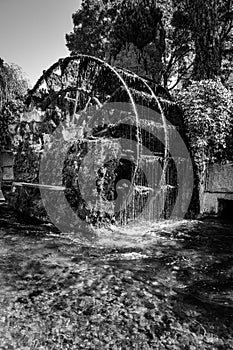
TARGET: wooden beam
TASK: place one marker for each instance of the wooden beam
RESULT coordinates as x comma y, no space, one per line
35,185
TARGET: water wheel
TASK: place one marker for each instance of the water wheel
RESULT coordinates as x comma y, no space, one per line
109,134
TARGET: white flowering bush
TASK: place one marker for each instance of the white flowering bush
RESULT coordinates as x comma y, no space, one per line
207,107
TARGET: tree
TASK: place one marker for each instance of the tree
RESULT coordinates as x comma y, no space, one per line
13,87
199,41
207,109
126,32
13,82
210,25
169,41
91,29
179,48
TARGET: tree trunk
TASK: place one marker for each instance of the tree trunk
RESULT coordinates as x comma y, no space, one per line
207,62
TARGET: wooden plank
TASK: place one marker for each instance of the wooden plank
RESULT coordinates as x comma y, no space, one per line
35,185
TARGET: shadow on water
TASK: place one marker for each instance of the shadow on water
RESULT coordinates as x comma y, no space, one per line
187,266
205,275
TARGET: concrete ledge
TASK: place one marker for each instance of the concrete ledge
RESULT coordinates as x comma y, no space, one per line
211,202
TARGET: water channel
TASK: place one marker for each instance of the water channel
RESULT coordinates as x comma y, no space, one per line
176,276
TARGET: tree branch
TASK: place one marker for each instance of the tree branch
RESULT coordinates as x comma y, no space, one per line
168,71
181,76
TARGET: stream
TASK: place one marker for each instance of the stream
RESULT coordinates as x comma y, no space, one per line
182,269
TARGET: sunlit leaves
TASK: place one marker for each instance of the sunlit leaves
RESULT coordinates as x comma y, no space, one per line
207,107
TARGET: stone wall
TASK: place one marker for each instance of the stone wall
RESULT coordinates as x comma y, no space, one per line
6,164
218,188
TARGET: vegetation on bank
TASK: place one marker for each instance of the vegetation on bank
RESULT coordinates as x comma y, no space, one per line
208,116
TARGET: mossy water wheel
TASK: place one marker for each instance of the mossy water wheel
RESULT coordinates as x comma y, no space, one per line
96,104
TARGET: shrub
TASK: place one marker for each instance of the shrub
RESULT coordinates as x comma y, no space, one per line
207,107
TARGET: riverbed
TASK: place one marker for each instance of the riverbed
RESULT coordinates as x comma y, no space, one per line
164,285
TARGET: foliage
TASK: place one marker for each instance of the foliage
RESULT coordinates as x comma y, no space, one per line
209,26
227,62
183,38
178,56
9,120
103,26
120,32
136,23
13,82
207,107
91,29
13,87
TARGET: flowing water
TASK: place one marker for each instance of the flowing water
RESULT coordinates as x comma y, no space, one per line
185,265
187,252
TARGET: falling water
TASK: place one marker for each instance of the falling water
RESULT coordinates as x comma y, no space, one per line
77,91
